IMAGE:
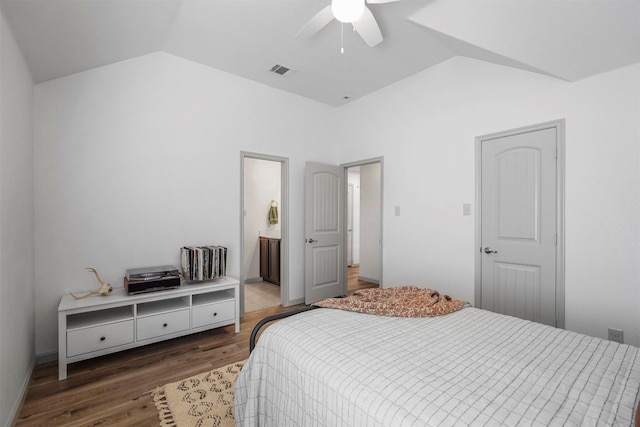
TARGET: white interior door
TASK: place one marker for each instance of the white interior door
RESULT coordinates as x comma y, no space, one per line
325,275
518,224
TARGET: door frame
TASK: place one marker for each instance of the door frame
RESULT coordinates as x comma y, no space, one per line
559,125
345,167
349,221
284,227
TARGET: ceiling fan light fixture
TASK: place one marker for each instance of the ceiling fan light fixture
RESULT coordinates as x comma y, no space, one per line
347,10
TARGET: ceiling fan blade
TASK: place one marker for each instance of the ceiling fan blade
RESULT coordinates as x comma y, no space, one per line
315,24
381,1
368,28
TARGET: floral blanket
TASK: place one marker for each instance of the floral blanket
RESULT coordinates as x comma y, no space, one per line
403,301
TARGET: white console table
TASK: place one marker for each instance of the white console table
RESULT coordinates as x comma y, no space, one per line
100,325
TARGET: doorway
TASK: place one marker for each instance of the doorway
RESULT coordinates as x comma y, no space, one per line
519,227
364,225
263,250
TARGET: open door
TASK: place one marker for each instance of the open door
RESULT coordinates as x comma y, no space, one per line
325,275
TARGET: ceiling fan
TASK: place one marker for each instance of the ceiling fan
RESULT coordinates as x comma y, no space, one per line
353,12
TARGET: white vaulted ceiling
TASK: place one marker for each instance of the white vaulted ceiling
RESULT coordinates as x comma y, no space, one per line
567,39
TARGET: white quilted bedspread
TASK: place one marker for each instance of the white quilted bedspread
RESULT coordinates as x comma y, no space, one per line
331,367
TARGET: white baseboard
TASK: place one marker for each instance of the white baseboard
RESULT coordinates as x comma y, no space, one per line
46,357
294,302
368,279
15,412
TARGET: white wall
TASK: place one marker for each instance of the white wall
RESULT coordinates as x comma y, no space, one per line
370,222
262,179
17,304
136,159
160,129
425,126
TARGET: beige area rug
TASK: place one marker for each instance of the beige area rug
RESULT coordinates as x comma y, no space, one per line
260,295
204,400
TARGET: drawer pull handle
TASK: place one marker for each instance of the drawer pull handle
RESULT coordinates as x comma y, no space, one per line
103,338
165,325
215,314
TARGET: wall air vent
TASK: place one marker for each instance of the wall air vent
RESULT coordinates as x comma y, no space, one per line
279,69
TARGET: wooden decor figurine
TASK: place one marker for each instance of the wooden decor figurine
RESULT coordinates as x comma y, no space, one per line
105,288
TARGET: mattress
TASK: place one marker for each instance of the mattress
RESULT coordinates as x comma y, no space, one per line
328,367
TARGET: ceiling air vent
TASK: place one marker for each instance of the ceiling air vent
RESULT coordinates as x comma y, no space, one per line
279,69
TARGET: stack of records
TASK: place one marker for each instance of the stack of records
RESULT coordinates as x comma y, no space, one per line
149,279
203,262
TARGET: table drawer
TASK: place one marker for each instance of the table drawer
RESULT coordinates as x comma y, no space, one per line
162,324
87,340
209,314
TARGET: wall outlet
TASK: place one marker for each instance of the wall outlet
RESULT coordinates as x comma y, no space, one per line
616,335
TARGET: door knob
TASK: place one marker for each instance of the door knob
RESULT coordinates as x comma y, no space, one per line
311,240
488,250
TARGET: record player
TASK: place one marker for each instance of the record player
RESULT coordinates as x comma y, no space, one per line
150,279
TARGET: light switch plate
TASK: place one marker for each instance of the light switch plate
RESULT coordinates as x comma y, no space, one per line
466,209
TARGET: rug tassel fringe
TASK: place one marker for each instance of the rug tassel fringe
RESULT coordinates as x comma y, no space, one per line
160,400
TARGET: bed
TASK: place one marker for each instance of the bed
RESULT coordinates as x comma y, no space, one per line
328,367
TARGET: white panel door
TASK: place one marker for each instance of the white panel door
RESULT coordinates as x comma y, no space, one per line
325,275
518,221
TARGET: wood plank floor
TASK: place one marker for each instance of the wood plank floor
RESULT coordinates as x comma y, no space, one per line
353,280
114,390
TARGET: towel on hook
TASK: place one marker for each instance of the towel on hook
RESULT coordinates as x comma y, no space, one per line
273,214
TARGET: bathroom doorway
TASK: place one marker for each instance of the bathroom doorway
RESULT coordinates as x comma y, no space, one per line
263,232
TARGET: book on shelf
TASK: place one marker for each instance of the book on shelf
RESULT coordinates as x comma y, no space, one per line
203,262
